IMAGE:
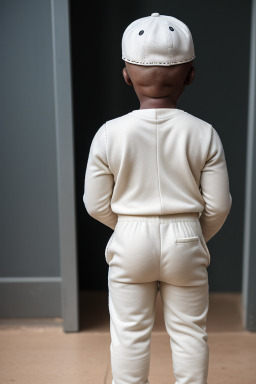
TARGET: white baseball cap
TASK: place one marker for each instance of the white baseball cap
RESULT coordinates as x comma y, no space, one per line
157,40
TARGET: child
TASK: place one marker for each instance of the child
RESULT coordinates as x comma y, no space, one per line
158,177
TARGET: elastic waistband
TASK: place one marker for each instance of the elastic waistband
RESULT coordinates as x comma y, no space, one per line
186,216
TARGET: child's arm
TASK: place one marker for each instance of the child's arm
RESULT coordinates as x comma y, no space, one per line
215,189
99,182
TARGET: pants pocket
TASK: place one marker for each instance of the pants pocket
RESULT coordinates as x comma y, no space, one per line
191,232
107,247
203,242
107,253
184,232
187,239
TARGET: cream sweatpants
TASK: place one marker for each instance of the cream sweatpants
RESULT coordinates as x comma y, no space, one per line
146,254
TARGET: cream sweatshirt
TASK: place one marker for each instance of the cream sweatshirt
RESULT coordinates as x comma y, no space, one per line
154,162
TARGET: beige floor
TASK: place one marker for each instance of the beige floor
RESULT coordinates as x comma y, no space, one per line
35,351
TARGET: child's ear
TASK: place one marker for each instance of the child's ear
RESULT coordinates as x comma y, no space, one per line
191,75
127,77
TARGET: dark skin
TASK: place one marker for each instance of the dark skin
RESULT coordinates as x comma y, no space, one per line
159,86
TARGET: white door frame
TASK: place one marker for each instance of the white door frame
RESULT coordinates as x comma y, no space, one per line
249,244
65,163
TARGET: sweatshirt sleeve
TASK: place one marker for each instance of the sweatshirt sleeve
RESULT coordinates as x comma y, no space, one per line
99,182
215,189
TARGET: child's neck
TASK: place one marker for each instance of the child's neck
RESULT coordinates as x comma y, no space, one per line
161,102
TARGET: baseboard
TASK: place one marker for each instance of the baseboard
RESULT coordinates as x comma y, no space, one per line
30,297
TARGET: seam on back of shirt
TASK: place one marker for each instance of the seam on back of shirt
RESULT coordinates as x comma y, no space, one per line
106,142
157,162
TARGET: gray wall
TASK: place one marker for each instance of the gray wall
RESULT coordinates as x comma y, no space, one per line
219,95
30,254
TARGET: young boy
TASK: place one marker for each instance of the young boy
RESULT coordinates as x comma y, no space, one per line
158,177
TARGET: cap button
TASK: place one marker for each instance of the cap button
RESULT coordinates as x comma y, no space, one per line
155,14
